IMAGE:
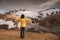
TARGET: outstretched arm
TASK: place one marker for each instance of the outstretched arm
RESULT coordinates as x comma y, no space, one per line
29,20
16,20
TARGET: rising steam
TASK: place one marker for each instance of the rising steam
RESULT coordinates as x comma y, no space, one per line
48,4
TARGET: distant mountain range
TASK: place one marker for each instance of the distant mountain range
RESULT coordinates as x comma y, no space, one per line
32,14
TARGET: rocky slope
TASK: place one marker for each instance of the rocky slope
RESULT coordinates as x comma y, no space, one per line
52,23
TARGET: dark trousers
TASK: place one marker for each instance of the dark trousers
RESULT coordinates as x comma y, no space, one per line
22,32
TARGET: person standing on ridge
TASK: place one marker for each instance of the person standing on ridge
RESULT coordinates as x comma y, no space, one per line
23,22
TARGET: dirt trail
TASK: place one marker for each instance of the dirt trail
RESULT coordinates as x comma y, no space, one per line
15,35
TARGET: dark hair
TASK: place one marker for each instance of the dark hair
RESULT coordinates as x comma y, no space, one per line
22,16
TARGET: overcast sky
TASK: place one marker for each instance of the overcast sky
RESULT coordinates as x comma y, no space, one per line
28,4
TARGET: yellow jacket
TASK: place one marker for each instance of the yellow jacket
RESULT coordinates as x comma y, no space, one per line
23,21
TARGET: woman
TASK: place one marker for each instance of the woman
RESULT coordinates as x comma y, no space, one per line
23,22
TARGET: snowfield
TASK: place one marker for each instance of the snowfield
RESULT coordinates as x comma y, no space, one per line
9,23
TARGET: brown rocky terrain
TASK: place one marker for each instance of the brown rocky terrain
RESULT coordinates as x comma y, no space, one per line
15,35
47,29
52,23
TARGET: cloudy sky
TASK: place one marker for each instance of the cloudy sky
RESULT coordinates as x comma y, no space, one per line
28,4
